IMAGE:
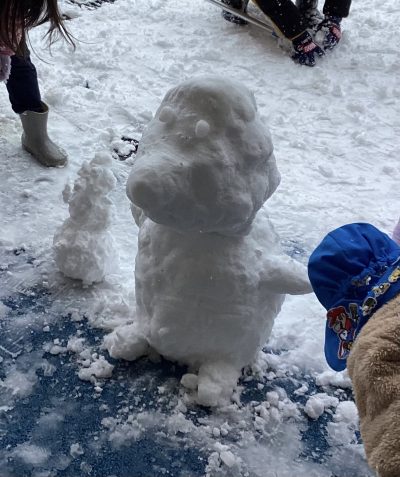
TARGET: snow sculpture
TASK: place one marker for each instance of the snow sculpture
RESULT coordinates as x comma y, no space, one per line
84,248
209,281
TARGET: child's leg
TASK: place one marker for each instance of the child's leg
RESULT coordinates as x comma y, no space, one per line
22,86
23,90
374,368
285,16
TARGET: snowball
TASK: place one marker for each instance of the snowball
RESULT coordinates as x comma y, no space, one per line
57,349
167,115
314,407
190,381
202,129
100,368
126,342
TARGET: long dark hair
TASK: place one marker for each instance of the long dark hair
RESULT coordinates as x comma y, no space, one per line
19,16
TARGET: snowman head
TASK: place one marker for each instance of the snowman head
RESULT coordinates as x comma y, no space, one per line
205,162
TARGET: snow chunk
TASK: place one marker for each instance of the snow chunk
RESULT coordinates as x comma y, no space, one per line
57,349
126,342
99,368
273,398
345,424
228,458
316,404
75,344
346,411
190,381
314,407
76,450
32,454
333,378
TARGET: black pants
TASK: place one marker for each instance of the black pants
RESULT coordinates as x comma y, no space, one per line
286,16
22,85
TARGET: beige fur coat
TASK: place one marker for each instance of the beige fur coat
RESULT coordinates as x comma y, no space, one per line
374,368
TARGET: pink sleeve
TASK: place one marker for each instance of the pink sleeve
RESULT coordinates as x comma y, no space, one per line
6,51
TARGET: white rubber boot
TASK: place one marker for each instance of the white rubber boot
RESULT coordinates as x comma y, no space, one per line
36,141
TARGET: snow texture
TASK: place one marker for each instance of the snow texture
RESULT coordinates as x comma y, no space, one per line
209,282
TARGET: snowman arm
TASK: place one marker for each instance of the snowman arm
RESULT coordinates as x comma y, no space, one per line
285,275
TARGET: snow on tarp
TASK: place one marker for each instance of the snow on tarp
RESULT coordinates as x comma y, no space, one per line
67,408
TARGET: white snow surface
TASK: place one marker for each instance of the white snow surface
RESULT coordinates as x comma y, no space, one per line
335,130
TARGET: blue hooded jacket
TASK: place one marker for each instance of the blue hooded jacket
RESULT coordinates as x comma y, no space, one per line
353,271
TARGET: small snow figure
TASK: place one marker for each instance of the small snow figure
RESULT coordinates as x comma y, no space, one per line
84,248
209,282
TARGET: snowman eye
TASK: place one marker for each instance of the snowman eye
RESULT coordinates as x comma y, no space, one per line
202,128
167,115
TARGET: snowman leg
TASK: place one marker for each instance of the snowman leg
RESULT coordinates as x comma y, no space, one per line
126,342
217,380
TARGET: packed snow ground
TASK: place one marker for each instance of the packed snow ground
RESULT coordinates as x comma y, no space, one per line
335,129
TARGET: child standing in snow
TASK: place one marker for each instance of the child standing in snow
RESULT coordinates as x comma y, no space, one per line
17,70
355,273
292,21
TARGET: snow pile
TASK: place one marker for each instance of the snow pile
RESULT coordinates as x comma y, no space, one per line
84,248
209,281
